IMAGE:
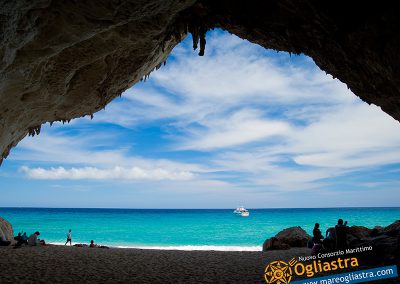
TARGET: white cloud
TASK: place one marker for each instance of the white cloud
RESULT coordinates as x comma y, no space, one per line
234,74
240,128
120,173
90,162
236,71
91,149
345,139
351,136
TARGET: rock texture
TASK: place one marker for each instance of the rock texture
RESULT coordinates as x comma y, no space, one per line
359,232
7,229
385,243
66,59
287,238
274,244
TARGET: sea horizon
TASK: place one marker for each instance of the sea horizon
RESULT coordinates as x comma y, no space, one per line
184,229
202,208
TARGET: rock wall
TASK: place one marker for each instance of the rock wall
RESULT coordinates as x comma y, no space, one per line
7,229
67,59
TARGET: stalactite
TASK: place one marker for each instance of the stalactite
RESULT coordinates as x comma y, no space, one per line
202,35
195,36
37,130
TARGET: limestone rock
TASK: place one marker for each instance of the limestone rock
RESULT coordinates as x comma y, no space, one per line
67,59
7,229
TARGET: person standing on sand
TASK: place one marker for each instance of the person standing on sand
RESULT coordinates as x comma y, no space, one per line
69,239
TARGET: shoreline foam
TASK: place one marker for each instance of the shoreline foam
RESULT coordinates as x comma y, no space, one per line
178,247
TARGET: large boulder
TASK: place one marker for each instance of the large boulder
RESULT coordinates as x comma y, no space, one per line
294,237
392,227
376,231
7,229
384,241
359,232
385,249
274,244
290,237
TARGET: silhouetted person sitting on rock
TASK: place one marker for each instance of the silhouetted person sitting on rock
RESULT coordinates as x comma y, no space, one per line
330,239
317,235
19,237
24,238
341,234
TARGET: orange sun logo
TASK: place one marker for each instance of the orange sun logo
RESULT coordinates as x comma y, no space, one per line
279,272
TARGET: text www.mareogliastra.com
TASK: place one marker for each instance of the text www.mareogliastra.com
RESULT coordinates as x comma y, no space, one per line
362,276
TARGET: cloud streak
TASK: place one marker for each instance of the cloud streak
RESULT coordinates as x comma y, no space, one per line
116,173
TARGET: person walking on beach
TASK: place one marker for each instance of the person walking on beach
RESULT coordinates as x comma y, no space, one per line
69,239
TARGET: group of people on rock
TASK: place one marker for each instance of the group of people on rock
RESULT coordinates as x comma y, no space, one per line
335,239
21,238
32,240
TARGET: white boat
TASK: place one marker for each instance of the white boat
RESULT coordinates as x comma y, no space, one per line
242,211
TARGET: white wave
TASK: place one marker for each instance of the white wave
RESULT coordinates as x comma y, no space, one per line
55,243
184,248
203,248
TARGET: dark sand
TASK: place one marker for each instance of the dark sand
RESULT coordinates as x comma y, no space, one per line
59,264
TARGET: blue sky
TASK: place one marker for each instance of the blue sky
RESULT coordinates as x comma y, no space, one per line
240,126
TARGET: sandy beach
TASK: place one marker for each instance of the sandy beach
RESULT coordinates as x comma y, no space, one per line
62,264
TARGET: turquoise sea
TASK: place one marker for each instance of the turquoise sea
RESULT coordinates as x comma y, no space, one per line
217,229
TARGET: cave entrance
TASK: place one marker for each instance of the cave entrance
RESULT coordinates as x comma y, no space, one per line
241,125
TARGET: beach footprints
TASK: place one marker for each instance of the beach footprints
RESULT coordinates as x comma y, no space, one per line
279,272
